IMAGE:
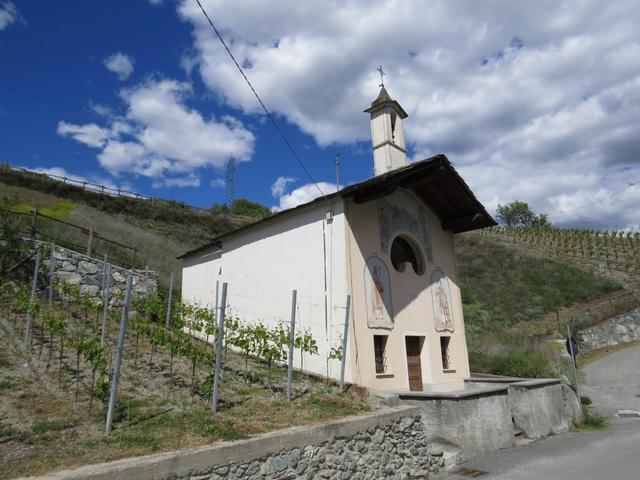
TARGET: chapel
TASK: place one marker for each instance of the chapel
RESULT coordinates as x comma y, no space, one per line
387,242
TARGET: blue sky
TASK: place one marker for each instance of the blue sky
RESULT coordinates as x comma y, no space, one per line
536,101
54,71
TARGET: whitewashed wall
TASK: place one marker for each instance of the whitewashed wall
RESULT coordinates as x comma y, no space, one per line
262,265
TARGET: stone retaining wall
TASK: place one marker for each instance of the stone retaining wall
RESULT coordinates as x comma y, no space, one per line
86,273
619,329
386,444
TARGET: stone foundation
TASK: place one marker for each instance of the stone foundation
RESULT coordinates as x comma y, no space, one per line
396,450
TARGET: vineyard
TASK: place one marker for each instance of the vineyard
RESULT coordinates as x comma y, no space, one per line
615,254
57,365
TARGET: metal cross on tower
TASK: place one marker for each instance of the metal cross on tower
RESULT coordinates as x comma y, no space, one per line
382,74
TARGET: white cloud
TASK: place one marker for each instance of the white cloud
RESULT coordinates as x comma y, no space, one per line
280,185
155,2
538,101
217,183
303,194
120,64
188,181
161,137
8,14
90,134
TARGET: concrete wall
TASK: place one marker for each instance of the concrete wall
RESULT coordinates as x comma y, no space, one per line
303,251
86,273
537,407
476,421
387,444
412,305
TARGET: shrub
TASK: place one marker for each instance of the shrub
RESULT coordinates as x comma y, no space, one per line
527,364
591,421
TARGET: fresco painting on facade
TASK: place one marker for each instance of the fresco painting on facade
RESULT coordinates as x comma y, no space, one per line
400,212
378,294
441,296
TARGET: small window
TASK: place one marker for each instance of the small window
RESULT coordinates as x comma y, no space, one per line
445,352
404,250
379,347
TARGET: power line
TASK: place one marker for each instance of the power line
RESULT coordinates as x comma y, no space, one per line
602,199
264,107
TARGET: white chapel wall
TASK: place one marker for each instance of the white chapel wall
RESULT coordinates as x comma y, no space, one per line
263,264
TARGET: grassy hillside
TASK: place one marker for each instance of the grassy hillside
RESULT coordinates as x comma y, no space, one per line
159,233
510,299
512,281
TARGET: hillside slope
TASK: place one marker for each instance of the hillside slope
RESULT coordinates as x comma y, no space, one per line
511,285
516,302
159,234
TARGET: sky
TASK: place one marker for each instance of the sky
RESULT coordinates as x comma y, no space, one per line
533,101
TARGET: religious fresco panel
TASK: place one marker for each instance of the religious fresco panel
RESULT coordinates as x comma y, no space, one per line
401,212
442,306
377,286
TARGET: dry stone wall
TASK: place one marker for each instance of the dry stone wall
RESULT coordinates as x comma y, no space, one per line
397,450
386,444
86,273
623,328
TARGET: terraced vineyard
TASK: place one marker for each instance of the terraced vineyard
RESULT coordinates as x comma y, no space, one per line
613,254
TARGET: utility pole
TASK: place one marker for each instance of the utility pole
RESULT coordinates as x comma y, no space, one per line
230,180
337,161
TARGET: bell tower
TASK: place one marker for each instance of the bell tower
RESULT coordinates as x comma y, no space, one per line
389,150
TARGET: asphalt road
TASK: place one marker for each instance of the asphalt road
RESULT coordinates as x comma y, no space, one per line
613,383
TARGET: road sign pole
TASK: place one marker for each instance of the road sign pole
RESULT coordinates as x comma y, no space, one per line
573,363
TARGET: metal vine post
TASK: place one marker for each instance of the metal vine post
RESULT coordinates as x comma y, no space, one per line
292,334
119,349
34,284
344,342
216,375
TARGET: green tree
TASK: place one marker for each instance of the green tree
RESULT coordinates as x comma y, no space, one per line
520,214
246,208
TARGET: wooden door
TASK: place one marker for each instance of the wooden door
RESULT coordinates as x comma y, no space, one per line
413,363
